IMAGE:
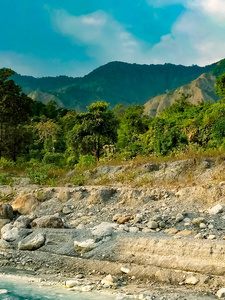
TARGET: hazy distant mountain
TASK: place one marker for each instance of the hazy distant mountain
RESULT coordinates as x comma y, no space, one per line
200,89
115,83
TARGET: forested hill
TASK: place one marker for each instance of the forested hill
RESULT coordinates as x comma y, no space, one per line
115,83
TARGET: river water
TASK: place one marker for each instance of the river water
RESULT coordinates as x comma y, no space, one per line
19,289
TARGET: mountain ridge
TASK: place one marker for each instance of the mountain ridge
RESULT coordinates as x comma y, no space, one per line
115,83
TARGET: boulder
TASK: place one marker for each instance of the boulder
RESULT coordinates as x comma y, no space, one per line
22,222
4,244
179,217
72,283
3,222
85,246
25,204
215,210
103,229
64,195
6,211
51,221
221,293
100,196
152,225
109,281
198,221
192,280
32,242
11,234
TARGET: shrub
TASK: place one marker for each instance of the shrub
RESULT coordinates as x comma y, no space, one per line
6,180
57,159
6,163
86,161
72,160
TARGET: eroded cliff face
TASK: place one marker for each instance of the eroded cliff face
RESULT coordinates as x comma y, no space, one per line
200,90
170,229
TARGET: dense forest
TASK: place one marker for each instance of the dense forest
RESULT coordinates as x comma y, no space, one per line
47,137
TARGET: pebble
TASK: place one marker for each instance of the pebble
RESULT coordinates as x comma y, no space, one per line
211,237
221,293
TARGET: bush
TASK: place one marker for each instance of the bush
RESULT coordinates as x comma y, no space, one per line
5,163
6,180
86,161
72,160
57,159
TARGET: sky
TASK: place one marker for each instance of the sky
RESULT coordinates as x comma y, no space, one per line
73,37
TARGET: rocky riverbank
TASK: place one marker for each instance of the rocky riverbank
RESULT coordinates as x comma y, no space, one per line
167,234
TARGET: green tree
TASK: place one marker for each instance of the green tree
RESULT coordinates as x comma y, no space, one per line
93,130
133,123
220,86
48,132
15,108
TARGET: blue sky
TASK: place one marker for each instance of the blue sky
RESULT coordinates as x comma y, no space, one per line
73,37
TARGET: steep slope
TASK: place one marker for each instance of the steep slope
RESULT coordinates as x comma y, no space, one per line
201,89
115,83
45,97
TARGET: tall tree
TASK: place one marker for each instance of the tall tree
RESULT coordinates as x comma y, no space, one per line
93,130
14,111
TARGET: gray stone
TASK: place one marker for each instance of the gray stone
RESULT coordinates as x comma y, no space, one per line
103,229
198,221
3,222
4,244
6,211
64,195
11,234
179,217
202,225
152,225
66,210
133,229
22,222
51,221
32,242
85,246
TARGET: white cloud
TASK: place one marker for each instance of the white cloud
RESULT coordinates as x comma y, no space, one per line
197,36
105,39
215,8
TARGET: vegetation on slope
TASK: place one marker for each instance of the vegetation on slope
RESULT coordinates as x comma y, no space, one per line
46,139
115,83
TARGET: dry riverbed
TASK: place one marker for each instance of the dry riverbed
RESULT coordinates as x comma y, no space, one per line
161,240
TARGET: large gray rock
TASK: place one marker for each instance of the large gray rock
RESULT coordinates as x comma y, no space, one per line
103,229
10,233
64,195
84,246
51,221
6,211
22,222
3,222
4,244
32,242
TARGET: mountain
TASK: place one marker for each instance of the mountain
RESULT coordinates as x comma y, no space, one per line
115,83
200,89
